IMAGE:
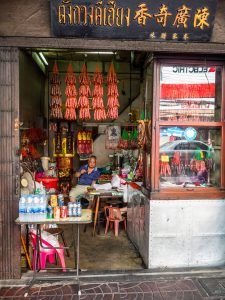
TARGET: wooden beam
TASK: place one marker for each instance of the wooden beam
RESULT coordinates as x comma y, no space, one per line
160,47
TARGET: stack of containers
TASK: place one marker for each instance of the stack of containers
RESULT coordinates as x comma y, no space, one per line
32,207
57,209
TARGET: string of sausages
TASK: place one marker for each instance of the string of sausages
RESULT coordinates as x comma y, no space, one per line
113,94
97,100
71,93
84,93
55,93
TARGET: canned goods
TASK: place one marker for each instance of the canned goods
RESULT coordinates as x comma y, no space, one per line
60,200
63,212
56,212
49,212
53,200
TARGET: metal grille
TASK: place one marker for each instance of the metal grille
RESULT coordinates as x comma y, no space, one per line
9,163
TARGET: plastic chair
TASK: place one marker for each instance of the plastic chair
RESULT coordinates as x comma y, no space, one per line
44,253
113,214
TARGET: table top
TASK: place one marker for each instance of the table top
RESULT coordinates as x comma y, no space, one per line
103,193
86,218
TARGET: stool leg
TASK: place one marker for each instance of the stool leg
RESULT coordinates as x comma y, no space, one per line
65,244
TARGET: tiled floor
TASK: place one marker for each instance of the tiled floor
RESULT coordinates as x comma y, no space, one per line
181,289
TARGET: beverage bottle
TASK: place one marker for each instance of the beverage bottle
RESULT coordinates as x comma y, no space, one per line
29,207
35,211
70,209
22,209
79,209
75,208
42,206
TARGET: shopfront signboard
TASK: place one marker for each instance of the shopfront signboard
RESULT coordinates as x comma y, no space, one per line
187,20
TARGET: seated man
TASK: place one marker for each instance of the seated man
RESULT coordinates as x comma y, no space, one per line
87,174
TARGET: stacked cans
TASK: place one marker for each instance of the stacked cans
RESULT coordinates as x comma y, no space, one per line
56,209
74,209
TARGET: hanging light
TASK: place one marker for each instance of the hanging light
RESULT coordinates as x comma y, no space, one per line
43,58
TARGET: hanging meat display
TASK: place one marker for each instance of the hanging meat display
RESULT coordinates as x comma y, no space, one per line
84,142
97,100
113,94
55,93
84,93
71,93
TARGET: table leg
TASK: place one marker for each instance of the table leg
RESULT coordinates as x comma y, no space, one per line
36,259
96,214
76,238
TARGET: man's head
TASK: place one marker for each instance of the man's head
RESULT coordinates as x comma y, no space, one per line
92,161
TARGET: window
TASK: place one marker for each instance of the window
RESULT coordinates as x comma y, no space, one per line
188,127
189,163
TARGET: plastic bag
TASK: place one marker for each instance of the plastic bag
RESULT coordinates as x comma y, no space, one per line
115,182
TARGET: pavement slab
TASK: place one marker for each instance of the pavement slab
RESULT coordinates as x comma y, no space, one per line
157,289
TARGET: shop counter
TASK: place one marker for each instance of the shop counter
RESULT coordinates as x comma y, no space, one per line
177,233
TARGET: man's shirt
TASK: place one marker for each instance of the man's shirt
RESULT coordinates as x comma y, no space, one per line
87,179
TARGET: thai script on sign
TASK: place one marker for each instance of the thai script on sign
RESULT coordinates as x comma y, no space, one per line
153,20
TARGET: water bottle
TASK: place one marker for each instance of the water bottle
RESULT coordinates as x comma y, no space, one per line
70,209
36,207
30,207
22,209
75,209
43,207
79,209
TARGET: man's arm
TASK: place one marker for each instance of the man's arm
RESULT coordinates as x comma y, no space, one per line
79,173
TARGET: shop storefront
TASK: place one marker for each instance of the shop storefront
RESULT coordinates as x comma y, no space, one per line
169,63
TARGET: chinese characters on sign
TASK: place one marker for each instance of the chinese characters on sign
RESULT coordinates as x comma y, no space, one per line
136,20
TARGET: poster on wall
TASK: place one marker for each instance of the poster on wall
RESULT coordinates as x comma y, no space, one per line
176,20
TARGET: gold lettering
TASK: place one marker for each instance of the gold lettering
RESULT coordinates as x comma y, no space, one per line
83,10
127,17
111,13
62,14
119,16
182,16
142,14
98,16
104,16
91,15
201,18
76,14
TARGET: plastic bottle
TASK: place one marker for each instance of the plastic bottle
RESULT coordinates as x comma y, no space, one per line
22,209
36,208
70,209
43,207
79,209
29,207
75,206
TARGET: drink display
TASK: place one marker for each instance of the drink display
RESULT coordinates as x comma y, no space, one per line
35,207
63,212
32,207
56,212
53,200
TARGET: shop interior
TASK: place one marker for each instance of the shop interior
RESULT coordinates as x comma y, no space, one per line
65,117
78,104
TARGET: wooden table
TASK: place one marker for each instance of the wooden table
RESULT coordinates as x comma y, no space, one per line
103,195
86,218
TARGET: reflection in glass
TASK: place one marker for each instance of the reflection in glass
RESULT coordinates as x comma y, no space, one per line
189,163
190,93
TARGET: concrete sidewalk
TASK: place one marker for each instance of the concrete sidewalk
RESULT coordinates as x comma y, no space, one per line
161,286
